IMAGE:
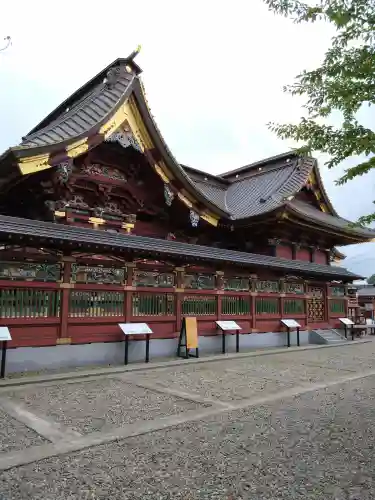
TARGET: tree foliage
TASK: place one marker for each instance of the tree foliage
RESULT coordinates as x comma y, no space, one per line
371,280
344,82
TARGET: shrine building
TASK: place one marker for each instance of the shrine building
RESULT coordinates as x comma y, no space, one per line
100,225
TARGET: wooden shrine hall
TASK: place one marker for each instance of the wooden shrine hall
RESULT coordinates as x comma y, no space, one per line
99,225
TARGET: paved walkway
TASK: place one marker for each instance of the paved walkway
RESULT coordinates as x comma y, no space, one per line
289,425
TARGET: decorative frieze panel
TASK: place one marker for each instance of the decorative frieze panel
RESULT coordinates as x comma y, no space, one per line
96,169
194,218
97,274
168,195
236,284
296,288
154,279
125,139
267,286
197,305
200,281
21,271
338,291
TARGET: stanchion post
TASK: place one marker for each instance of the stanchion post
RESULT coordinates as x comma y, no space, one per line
237,341
147,347
288,334
3,358
298,343
223,342
126,356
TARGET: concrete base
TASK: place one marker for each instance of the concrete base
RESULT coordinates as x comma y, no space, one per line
63,356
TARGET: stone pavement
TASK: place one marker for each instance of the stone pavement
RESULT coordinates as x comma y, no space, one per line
289,425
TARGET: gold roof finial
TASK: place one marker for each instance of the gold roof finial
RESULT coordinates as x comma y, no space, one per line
134,53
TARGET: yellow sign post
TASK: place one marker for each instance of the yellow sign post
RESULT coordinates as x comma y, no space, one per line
188,338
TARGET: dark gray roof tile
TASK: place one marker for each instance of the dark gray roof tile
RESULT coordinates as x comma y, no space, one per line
152,246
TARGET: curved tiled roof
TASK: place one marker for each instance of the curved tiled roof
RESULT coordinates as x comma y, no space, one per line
91,109
260,188
49,233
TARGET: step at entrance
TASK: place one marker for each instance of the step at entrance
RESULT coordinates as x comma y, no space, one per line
329,336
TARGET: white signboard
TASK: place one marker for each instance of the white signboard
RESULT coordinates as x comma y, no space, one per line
228,325
346,321
290,323
4,333
369,307
135,328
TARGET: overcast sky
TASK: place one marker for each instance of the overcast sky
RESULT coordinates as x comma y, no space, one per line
213,73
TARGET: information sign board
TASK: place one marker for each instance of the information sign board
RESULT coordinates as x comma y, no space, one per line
228,325
135,328
290,323
4,334
346,321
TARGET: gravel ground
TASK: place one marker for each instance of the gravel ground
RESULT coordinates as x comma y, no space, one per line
98,405
237,379
318,446
214,383
16,436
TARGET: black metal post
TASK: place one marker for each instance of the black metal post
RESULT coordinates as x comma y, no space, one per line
3,359
298,336
223,341
126,350
147,347
352,332
237,341
346,331
288,330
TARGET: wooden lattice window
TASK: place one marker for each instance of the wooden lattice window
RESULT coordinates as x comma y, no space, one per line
294,306
337,306
235,306
31,303
199,305
96,303
266,306
153,304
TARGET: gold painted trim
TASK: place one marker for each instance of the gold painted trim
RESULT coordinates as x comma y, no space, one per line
115,121
67,285
63,341
59,214
127,225
210,219
185,200
161,173
77,148
34,164
96,220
